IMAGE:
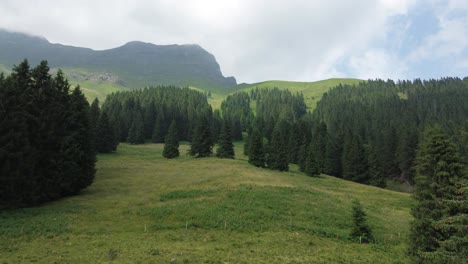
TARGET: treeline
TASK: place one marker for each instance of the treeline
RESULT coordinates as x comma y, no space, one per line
46,137
366,133
141,115
376,126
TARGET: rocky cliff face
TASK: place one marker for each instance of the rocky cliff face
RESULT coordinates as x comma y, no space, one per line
136,64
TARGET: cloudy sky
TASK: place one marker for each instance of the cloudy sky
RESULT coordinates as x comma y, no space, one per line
257,40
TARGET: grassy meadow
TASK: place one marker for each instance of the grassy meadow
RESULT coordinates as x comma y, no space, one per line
143,208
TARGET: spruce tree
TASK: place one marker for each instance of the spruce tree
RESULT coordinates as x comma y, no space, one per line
256,149
355,164
94,114
277,158
171,142
361,230
312,167
136,134
332,159
201,145
225,147
438,232
105,140
159,128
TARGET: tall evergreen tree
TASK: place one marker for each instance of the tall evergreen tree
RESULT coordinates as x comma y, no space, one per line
171,142
136,134
46,139
94,114
256,149
201,145
361,230
159,128
355,164
105,140
277,158
312,167
225,147
332,161
438,232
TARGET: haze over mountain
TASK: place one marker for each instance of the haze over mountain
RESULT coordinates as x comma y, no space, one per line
133,65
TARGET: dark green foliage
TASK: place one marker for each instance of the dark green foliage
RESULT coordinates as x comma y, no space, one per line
225,147
332,159
389,117
236,110
151,110
201,145
294,144
78,146
438,232
361,230
355,166
149,119
256,149
171,142
277,157
105,140
46,137
312,167
274,105
159,128
136,134
376,175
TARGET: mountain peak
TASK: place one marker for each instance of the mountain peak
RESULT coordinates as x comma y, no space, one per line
138,63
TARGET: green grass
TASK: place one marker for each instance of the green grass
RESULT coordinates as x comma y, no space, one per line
91,88
146,209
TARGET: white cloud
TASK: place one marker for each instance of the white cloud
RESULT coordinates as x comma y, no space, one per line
253,40
450,40
377,64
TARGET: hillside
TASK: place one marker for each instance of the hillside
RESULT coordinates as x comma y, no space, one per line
133,65
143,208
312,91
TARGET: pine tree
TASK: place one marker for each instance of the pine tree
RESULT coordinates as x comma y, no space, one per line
332,160
94,114
78,146
150,119
438,232
312,166
355,166
159,128
256,150
225,147
376,175
136,134
105,140
277,158
171,142
201,145
294,144
361,230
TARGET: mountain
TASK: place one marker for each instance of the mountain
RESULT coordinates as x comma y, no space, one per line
133,65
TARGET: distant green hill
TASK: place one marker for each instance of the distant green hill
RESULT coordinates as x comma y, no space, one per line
133,65
312,91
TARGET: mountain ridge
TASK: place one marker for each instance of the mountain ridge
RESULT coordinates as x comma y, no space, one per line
139,63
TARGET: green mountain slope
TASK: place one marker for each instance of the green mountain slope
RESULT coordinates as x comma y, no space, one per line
143,208
136,64
312,91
